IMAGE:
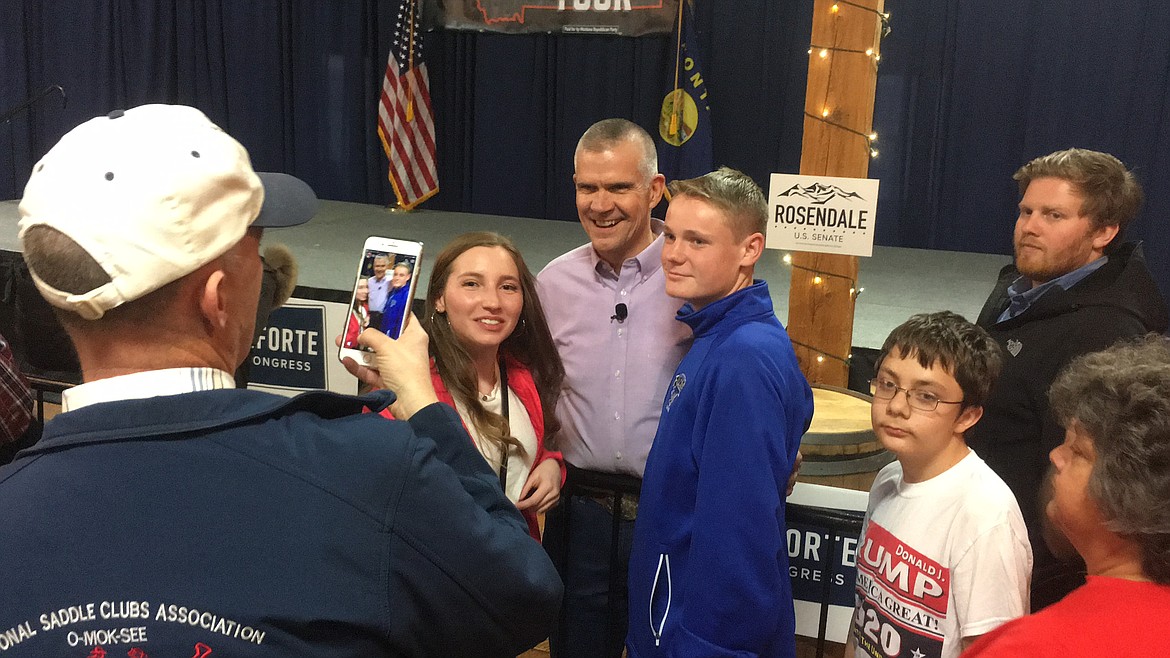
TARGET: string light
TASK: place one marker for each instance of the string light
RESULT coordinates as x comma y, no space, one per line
821,354
883,16
818,276
818,279
870,137
871,52
823,51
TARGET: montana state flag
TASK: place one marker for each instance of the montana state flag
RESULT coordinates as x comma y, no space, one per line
684,125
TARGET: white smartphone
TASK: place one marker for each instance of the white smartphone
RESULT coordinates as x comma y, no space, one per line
383,291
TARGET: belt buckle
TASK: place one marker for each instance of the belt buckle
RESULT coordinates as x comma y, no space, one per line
629,507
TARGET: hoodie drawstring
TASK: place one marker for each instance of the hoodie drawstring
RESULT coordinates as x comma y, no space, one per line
663,558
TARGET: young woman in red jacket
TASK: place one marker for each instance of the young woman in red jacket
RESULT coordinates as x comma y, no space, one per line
494,360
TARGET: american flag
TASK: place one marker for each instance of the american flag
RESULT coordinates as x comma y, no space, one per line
406,123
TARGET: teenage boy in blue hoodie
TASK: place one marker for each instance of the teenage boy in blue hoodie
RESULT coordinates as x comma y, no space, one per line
944,555
709,568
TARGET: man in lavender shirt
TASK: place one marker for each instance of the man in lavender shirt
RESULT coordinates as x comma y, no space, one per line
616,332
379,290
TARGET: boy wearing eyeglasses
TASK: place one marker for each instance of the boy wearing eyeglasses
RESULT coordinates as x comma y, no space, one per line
944,555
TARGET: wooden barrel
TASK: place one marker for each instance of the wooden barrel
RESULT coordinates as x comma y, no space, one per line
840,448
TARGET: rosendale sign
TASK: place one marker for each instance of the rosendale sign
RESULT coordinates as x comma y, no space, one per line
822,214
618,17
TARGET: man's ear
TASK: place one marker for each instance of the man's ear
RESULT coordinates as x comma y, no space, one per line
753,248
212,303
1103,235
657,187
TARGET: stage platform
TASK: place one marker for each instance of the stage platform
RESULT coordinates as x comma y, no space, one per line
898,282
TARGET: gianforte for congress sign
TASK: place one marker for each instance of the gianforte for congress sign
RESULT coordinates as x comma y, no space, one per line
822,214
295,351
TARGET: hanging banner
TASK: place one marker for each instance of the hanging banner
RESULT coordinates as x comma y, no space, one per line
822,214
629,18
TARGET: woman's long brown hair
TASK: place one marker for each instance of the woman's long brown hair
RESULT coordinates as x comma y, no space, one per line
530,343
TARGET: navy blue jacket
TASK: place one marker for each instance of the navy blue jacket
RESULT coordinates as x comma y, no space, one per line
708,572
238,523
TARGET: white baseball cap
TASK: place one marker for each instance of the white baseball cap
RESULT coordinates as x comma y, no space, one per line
152,193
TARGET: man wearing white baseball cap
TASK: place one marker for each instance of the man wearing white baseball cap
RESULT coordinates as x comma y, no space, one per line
166,511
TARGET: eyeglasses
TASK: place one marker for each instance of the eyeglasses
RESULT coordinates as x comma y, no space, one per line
884,389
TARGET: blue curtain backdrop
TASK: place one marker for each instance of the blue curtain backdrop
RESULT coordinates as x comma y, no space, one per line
968,90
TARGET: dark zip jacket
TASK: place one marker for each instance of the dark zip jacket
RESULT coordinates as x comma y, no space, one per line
1017,430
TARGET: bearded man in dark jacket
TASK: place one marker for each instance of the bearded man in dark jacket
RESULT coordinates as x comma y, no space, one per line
1074,288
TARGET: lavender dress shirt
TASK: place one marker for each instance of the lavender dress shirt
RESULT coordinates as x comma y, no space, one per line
379,291
616,373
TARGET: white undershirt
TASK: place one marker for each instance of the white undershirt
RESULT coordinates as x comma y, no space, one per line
521,425
147,384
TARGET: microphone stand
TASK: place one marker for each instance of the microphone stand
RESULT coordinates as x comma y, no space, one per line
23,107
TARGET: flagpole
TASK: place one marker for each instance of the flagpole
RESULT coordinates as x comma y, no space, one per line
673,130
410,64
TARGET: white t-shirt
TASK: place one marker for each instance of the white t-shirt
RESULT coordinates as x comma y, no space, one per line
519,466
938,561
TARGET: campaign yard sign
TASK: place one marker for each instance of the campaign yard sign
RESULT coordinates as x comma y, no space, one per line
807,545
290,351
295,351
822,214
820,551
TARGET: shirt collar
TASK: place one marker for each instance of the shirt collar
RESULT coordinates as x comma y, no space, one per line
148,384
1022,294
647,260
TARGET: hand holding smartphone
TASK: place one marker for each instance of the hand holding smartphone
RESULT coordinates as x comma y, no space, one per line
383,292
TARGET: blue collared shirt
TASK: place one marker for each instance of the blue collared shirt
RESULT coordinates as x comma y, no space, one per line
1023,294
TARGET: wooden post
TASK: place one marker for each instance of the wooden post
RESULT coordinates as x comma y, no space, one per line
842,78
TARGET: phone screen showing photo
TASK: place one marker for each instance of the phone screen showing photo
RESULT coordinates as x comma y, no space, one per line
383,294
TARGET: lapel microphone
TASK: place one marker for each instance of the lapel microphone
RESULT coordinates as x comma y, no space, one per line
620,313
